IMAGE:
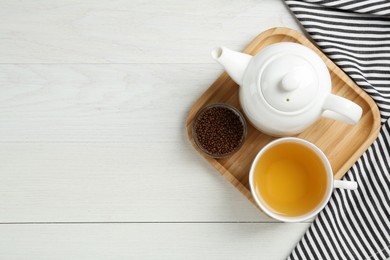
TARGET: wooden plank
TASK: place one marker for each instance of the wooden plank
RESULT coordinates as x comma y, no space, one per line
126,103
99,103
115,182
137,31
149,241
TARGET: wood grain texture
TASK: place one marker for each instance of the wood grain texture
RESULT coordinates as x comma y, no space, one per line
343,144
149,241
129,182
99,103
136,31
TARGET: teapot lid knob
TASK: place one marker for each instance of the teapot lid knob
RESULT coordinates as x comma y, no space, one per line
291,81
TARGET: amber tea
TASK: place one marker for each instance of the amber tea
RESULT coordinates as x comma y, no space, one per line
290,179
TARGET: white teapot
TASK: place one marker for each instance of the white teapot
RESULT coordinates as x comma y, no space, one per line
285,88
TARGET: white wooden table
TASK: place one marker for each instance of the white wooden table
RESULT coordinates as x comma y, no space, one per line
94,160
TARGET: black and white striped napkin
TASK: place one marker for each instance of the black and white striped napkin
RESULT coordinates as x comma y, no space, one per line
356,36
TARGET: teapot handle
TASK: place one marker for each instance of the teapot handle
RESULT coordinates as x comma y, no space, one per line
341,109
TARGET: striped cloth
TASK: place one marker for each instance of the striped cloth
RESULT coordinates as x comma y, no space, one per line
356,36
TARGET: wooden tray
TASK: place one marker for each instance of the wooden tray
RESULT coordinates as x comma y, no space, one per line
343,144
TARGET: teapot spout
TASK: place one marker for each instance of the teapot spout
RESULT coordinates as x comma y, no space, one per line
235,63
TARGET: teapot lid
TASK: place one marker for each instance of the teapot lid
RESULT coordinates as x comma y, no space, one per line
289,82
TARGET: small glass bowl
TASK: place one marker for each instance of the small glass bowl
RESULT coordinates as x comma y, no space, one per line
240,117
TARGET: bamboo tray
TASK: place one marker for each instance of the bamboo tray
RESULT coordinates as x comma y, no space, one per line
343,144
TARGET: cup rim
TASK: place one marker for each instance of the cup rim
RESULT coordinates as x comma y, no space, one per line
328,191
